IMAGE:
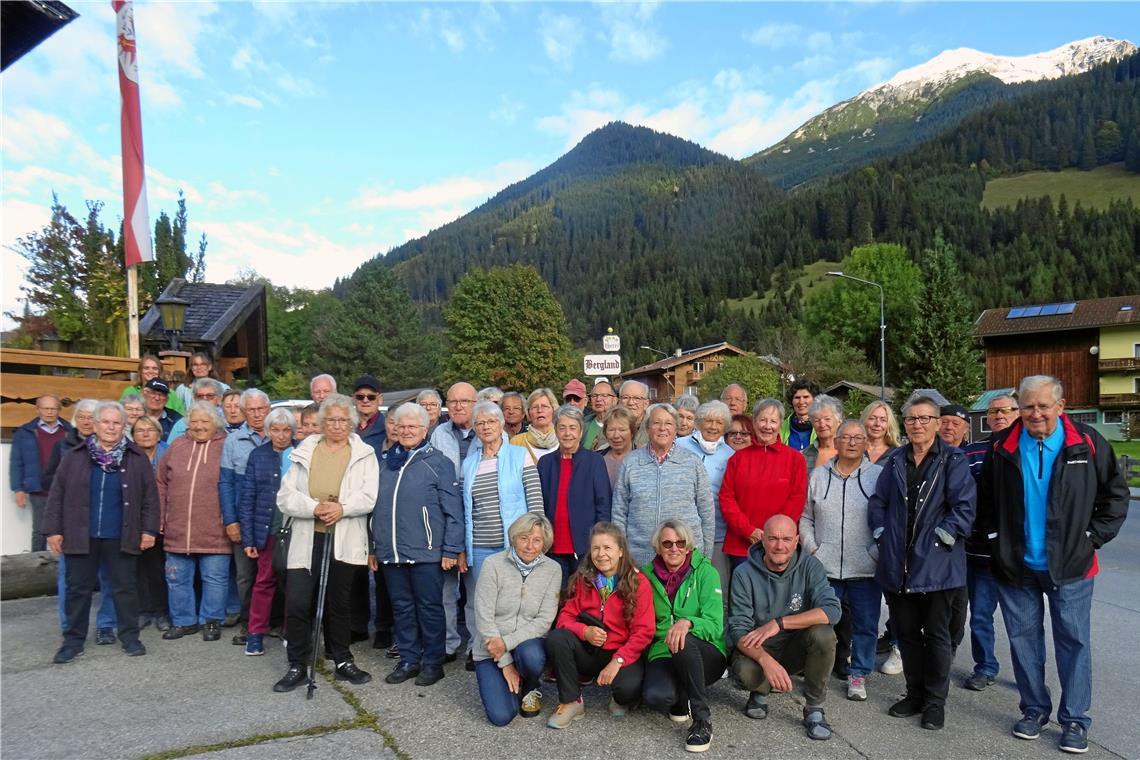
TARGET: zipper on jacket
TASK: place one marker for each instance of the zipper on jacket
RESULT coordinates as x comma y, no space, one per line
395,495
918,514
1040,458
102,491
842,525
427,527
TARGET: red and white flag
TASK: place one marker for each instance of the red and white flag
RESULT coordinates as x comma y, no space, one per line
136,230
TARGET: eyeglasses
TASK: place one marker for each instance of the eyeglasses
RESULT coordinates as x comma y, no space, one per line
337,421
486,423
408,428
679,543
920,420
460,401
638,399
1001,410
205,396
366,396
602,395
1039,407
738,434
429,405
852,438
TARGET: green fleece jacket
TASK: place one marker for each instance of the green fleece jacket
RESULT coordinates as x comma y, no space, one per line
698,600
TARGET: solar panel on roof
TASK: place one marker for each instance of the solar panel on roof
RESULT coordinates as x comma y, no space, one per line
1050,310
1015,313
1066,308
1032,311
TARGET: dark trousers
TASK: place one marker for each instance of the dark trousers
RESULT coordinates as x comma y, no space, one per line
242,575
958,617
37,502
811,650
152,581
922,622
83,573
420,629
362,611
572,658
301,588
683,677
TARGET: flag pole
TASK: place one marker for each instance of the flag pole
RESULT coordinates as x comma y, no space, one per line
133,311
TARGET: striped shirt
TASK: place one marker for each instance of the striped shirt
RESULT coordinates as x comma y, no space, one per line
487,529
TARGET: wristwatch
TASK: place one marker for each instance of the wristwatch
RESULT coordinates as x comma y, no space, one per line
780,622
620,661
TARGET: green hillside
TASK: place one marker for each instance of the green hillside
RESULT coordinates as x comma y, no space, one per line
812,280
1092,189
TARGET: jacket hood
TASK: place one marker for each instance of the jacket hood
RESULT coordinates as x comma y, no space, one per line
756,559
1072,436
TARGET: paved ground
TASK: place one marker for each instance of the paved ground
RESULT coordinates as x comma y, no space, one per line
192,699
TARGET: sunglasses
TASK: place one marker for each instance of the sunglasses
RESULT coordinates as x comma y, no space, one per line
679,543
571,397
366,396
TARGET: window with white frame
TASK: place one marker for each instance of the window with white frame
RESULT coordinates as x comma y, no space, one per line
1113,416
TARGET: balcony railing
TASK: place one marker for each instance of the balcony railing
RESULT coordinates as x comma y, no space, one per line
1119,399
1127,364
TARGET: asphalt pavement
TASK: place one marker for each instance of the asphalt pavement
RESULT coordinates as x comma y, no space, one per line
189,698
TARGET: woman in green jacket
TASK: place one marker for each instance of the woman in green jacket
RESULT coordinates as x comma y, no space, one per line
687,654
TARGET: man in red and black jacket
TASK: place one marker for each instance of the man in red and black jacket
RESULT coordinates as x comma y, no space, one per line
1050,495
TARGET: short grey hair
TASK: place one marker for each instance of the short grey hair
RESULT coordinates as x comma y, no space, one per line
513,394
280,416
208,409
649,414
715,409
147,420
487,407
1035,383
427,393
680,527
490,393
528,522
130,398
730,386
337,401
89,404
914,401
822,403
569,411
638,383
102,406
768,403
406,408
326,376
250,394
853,422
692,403
207,382
542,392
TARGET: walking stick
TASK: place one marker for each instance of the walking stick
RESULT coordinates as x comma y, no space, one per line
319,617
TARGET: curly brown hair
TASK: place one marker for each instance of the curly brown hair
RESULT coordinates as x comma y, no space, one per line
628,576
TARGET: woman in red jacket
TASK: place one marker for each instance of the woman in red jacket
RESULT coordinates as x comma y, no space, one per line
605,625
765,479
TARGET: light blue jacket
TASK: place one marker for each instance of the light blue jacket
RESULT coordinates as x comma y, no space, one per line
715,465
235,454
512,494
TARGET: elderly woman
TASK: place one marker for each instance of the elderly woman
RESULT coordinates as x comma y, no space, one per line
662,481
765,479
516,600
741,432
327,492
603,629
575,490
688,653
429,399
260,518
135,408
617,430
514,412
108,471
713,418
417,535
539,438
882,430
686,407
834,528
195,539
500,484
149,367
826,414
153,606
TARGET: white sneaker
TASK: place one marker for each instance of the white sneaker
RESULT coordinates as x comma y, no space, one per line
893,665
856,688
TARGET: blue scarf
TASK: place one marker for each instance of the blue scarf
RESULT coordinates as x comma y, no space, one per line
107,461
526,568
397,456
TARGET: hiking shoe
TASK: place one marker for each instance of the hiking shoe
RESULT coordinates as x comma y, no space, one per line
817,726
682,716
162,623
757,706
66,654
856,688
892,666
429,675
134,648
347,671
392,652
241,637
906,707
616,710
531,704
293,678
978,682
178,631
104,636
566,714
212,631
402,672
700,736
1075,738
934,717
1030,725
254,645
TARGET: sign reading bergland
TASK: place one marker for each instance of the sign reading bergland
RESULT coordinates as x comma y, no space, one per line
602,364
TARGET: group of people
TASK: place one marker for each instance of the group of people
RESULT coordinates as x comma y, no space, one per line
650,547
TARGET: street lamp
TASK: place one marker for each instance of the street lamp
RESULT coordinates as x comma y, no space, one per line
654,350
882,330
172,309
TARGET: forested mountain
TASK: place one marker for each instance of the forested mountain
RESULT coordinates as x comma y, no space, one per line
650,233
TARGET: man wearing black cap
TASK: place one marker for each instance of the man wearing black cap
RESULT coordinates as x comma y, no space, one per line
954,425
155,394
366,393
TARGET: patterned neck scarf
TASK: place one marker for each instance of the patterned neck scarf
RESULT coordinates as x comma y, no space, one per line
605,586
107,461
547,440
526,568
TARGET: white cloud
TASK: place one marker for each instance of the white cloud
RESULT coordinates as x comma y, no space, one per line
875,70
441,24
291,84
220,196
508,109
169,35
242,100
461,191
630,32
774,36
820,41
242,58
561,36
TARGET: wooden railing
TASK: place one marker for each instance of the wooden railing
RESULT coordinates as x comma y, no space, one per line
1126,364
1119,399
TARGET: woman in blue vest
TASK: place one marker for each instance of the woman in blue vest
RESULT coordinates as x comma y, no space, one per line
500,484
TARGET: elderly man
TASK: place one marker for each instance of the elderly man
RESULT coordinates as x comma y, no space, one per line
366,393
634,396
209,389
797,430
920,515
235,454
954,425
736,397
1001,412
155,394
602,399
1051,495
575,393
320,387
781,618
32,447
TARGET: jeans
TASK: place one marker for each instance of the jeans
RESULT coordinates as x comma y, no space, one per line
105,617
683,677
82,570
1070,608
418,602
215,572
983,592
811,650
922,622
573,660
470,578
861,598
498,701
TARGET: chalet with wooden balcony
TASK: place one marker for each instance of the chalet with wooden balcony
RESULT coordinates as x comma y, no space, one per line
678,375
1093,346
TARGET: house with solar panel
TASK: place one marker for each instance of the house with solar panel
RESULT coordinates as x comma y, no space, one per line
1093,346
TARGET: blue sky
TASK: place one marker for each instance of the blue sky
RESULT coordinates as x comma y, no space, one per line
308,136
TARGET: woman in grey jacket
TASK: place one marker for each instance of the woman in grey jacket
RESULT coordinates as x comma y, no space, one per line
834,528
662,482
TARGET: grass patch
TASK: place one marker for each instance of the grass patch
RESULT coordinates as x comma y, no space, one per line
1093,189
812,279
1132,449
